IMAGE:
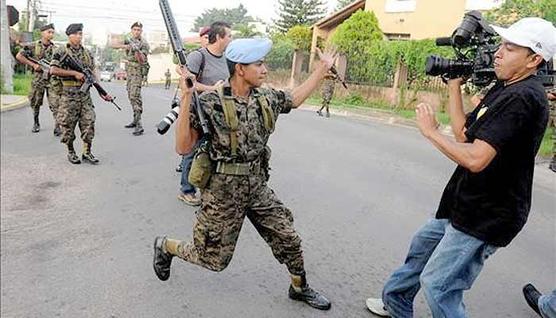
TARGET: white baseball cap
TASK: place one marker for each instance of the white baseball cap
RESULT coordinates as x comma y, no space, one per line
535,33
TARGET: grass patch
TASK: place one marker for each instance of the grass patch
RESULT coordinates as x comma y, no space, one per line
22,83
357,101
546,144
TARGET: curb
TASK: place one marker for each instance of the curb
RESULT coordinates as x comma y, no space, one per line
24,101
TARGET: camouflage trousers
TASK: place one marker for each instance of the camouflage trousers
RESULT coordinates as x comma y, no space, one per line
225,204
76,107
134,82
39,87
327,93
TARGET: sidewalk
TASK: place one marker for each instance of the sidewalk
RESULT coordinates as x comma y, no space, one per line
11,102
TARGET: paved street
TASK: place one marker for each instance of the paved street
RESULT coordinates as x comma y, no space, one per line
76,240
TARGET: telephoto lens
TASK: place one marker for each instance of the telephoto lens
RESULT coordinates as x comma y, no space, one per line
168,120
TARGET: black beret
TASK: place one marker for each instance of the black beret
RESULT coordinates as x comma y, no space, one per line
137,24
74,28
47,27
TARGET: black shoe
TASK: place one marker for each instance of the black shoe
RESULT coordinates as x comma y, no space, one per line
73,158
89,157
161,260
138,131
311,297
131,125
552,166
57,131
179,168
319,113
532,297
36,128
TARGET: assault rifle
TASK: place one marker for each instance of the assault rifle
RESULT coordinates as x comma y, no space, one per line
45,66
177,46
90,79
136,48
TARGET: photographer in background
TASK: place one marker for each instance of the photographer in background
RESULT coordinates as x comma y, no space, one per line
487,200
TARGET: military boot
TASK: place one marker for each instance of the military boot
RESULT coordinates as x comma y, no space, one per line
57,131
300,290
88,155
72,157
36,125
162,258
138,127
133,123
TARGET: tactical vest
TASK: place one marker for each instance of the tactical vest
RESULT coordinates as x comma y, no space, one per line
69,82
232,121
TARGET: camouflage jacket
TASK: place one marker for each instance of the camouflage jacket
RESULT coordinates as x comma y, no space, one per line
143,48
37,50
252,135
80,54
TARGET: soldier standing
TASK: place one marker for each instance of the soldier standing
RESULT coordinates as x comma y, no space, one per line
75,106
168,79
327,92
241,116
43,49
137,50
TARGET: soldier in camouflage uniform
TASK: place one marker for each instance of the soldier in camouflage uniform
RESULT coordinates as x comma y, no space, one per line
42,50
76,106
241,116
137,66
327,92
552,100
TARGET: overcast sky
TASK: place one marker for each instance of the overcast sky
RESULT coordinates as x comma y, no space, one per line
102,16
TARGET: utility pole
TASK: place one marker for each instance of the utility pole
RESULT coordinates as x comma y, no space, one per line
6,59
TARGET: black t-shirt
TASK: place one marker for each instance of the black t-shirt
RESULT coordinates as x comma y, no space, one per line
493,205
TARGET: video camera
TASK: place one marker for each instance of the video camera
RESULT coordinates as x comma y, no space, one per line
474,44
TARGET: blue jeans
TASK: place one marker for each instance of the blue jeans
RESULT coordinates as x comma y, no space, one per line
442,260
547,305
186,161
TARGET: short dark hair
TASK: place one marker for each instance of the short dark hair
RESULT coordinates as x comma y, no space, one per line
231,67
217,28
541,64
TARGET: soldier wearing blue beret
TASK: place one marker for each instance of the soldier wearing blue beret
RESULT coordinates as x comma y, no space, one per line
241,116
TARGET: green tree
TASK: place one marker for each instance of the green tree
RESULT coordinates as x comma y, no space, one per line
232,16
282,52
244,30
343,3
357,33
301,37
512,10
298,12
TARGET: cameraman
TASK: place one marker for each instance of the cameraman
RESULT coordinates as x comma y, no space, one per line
487,200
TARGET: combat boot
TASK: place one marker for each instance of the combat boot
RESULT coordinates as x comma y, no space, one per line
138,129
72,157
133,123
532,296
36,125
300,290
88,155
57,131
162,260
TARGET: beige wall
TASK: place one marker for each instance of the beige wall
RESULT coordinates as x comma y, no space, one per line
431,18
159,64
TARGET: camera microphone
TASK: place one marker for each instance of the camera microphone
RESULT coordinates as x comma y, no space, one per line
444,41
